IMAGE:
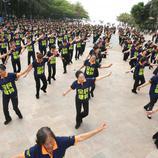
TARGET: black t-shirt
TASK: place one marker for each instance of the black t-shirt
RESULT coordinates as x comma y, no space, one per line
82,90
15,54
31,47
91,70
64,51
39,68
7,84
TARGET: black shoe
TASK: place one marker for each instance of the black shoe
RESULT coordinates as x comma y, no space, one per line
37,96
44,90
54,78
146,108
49,81
20,116
7,121
134,91
64,72
149,117
77,125
92,95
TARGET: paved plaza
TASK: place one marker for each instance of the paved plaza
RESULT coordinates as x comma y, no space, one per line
129,132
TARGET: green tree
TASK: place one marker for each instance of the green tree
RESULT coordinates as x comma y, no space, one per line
126,18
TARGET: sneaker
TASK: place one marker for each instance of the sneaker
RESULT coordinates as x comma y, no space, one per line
134,91
37,96
77,126
145,108
20,116
44,90
7,121
54,78
149,116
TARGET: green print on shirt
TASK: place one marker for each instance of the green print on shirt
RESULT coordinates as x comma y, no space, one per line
16,55
8,88
141,72
3,45
89,70
29,48
129,46
53,60
78,45
40,70
135,54
64,50
83,94
44,43
18,43
71,47
51,40
156,89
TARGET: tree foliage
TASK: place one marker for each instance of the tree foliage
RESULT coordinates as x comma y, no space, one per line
145,16
45,8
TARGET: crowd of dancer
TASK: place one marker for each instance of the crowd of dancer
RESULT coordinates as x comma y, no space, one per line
53,39
67,41
140,53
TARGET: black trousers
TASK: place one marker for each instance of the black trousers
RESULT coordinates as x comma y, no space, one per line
71,54
51,67
16,66
79,113
151,104
83,46
6,99
65,63
3,51
43,50
138,81
38,84
78,53
93,88
125,56
30,55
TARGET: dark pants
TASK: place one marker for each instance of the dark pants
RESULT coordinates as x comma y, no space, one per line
151,104
50,68
83,48
125,56
80,115
93,88
43,50
38,85
138,81
65,63
16,66
30,55
78,53
71,54
14,99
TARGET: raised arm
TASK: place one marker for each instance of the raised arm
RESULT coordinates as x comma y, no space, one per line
19,156
66,92
144,85
102,77
85,136
105,66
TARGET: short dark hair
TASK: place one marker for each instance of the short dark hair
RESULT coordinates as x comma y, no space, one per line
53,47
39,55
2,67
42,135
78,73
